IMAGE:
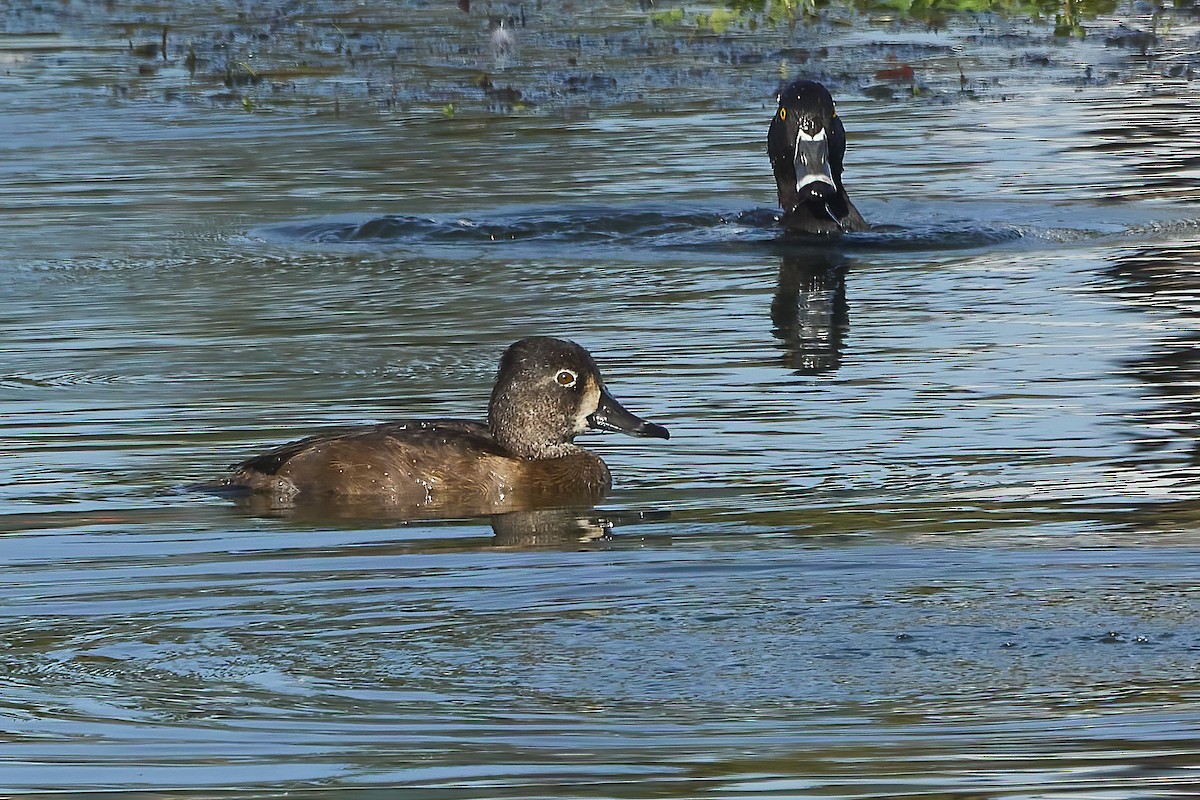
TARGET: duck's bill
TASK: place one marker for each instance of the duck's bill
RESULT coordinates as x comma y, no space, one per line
612,416
814,177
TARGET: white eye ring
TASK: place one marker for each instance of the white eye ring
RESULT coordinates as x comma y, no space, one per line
566,378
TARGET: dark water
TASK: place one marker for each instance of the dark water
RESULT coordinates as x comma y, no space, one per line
929,521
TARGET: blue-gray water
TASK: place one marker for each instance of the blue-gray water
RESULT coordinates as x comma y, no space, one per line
928,524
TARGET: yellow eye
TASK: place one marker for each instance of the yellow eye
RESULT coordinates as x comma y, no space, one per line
835,112
783,113
565,377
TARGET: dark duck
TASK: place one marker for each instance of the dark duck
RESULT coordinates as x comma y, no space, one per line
806,144
547,392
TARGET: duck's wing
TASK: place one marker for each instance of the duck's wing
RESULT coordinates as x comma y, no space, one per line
853,220
270,462
273,460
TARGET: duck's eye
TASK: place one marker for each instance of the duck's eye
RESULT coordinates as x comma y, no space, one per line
783,113
566,378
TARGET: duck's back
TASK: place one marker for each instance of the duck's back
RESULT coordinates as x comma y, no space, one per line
427,463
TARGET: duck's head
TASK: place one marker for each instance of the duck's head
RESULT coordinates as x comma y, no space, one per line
806,143
547,392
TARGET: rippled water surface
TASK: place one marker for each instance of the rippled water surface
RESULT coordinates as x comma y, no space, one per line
928,524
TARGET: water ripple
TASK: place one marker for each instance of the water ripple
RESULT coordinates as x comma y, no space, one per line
650,227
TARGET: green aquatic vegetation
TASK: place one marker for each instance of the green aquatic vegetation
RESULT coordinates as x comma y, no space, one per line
744,13
1068,15
240,73
771,10
718,20
672,16
1064,12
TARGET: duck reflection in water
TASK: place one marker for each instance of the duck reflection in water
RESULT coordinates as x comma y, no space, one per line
809,310
1168,277
560,526
547,392
1165,279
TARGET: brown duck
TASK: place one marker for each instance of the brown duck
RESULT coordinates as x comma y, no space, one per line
547,392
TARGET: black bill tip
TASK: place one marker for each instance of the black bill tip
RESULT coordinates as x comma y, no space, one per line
612,416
